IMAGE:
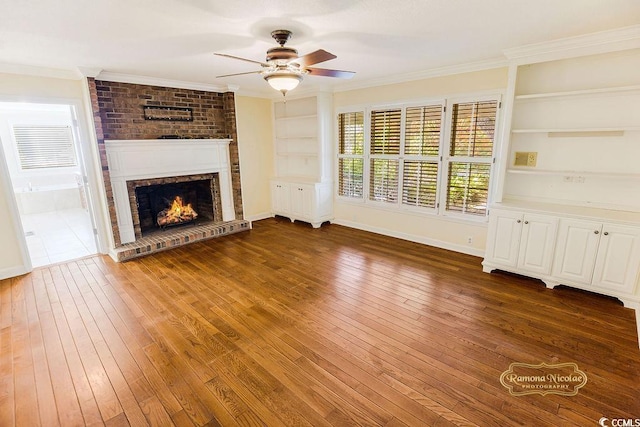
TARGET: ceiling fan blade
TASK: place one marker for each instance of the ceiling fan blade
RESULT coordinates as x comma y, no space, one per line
264,64
330,73
316,57
239,74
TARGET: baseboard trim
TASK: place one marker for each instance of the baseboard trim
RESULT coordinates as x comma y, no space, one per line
412,238
258,217
7,273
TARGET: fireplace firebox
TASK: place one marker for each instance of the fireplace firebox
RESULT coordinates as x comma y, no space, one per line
169,202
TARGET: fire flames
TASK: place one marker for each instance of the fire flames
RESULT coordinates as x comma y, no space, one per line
177,213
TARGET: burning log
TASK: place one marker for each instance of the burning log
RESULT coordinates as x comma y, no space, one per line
176,214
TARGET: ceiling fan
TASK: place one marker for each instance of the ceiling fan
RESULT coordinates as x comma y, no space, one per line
283,69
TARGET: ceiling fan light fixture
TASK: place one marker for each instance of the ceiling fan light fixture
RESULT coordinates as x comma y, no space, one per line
283,81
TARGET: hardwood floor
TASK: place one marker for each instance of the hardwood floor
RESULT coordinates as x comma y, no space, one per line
288,325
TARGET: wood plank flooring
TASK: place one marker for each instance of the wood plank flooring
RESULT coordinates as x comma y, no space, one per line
287,325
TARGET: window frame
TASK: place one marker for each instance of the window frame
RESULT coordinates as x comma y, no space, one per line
369,156
447,159
351,156
443,159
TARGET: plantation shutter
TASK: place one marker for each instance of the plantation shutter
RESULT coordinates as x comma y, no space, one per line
471,150
421,147
385,155
385,131
473,128
422,130
42,147
420,183
351,154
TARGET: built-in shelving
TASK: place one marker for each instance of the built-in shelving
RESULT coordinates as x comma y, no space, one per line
580,119
301,187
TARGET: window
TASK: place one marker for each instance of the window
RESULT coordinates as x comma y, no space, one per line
384,155
471,154
42,147
421,155
351,154
428,157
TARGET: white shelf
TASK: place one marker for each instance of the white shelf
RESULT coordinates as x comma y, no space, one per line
579,92
297,154
288,138
300,117
578,130
574,173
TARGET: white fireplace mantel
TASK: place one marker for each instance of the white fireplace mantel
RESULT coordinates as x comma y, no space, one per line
160,158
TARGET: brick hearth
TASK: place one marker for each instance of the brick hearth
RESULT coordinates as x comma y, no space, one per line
172,238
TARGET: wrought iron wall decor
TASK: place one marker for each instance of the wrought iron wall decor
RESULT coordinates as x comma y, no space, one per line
175,114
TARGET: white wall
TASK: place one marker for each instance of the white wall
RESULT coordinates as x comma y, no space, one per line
429,229
15,87
254,120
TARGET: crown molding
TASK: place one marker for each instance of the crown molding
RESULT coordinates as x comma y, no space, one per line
569,47
448,70
89,71
156,81
36,71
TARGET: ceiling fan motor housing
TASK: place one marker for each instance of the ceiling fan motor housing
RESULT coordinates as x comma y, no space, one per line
281,53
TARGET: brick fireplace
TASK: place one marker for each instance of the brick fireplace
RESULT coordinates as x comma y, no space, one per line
119,118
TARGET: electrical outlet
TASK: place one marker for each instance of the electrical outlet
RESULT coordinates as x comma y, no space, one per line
532,159
469,240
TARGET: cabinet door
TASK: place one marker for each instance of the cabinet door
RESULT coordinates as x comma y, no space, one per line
576,250
302,198
503,237
618,258
537,243
297,201
280,198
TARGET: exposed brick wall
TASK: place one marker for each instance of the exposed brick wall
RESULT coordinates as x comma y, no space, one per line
118,114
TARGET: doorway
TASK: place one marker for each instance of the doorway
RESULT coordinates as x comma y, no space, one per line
45,164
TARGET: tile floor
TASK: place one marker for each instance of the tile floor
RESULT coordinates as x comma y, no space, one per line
58,236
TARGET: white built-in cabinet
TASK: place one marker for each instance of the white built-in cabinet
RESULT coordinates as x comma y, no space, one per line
301,188
585,248
599,256
308,202
522,241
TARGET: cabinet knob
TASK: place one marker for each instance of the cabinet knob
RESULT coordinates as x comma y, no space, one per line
518,221
606,233
526,222
596,232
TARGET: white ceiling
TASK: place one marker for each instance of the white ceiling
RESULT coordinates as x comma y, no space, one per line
378,39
